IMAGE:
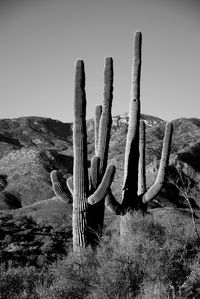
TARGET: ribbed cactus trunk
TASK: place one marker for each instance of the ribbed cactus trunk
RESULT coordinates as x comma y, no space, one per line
98,112
88,192
80,171
103,123
130,187
106,117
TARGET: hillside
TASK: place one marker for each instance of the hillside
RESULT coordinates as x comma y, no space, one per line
30,147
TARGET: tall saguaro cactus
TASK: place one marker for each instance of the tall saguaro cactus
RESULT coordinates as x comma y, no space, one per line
134,194
81,213
91,194
132,142
80,171
87,220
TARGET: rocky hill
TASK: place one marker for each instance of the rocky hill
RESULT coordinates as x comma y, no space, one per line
30,147
34,132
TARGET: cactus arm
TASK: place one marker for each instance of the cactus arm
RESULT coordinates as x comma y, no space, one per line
113,205
80,171
59,191
104,186
94,173
157,186
70,184
141,166
132,148
106,118
98,112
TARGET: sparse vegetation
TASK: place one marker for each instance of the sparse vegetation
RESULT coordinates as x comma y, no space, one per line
25,243
152,263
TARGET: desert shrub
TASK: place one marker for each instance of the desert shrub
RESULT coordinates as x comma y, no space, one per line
25,243
18,283
144,262
73,277
191,286
149,262
123,265
118,276
155,290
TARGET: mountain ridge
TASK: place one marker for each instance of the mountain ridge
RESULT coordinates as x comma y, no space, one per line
30,147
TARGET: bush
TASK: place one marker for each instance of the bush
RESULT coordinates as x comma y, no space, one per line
191,286
73,277
147,263
25,243
155,290
144,260
18,283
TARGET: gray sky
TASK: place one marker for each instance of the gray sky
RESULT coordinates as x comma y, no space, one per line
41,39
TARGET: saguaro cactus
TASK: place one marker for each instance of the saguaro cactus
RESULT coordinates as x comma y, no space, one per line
88,221
80,171
134,194
132,142
103,123
91,195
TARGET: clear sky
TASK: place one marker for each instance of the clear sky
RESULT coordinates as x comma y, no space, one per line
41,40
